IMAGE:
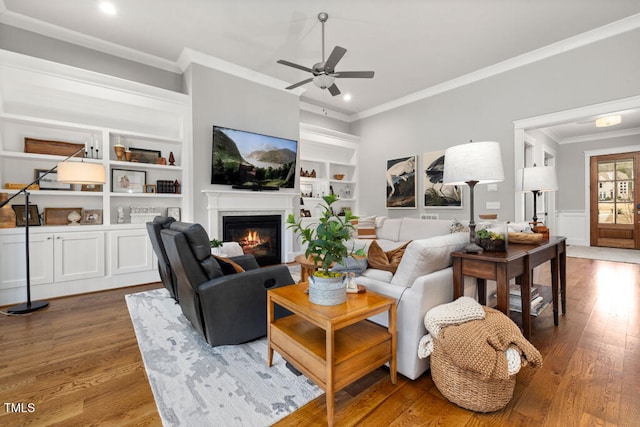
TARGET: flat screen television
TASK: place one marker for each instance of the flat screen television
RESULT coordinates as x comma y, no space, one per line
254,161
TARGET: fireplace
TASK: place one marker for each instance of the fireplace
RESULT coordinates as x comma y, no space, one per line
258,235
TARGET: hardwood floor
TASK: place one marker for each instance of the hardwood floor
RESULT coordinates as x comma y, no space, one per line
78,363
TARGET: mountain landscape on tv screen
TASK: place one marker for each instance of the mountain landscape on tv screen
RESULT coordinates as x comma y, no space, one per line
269,166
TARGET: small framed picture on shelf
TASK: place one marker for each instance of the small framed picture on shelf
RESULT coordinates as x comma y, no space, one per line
91,216
50,181
306,190
21,215
149,188
145,156
305,213
128,181
174,213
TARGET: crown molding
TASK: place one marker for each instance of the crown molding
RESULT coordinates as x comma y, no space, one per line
323,111
601,136
49,30
190,56
597,34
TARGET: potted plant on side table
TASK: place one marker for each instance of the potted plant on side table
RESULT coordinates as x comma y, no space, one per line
326,245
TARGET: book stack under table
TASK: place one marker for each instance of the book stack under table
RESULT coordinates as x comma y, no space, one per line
538,302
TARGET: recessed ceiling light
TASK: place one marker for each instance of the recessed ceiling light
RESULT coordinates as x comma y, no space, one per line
603,122
107,7
347,97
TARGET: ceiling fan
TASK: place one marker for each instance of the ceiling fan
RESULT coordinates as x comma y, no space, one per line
324,72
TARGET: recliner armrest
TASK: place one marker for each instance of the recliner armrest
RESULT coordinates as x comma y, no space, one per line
248,262
233,306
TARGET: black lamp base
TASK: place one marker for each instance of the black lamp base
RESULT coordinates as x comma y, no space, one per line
28,307
473,248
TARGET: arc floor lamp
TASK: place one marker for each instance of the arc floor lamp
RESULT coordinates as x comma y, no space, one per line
69,172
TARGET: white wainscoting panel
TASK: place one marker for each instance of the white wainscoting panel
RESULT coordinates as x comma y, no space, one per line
572,225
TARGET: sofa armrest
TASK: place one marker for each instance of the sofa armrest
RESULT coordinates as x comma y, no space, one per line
234,306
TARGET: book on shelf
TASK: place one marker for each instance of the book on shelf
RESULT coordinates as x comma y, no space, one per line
538,303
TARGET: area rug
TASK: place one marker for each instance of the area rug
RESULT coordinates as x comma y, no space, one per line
197,385
604,254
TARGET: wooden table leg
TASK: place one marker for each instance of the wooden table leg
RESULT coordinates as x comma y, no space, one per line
554,287
525,294
330,391
458,286
270,318
392,331
481,285
563,277
502,289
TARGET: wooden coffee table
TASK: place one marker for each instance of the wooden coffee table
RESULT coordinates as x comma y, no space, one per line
332,345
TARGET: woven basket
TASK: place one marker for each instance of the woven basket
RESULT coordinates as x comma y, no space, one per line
467,389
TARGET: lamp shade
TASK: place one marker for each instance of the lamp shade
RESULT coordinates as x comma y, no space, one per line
537,178
323,81
81,173
475,161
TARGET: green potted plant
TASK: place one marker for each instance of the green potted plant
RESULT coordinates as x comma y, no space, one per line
326,245
215,245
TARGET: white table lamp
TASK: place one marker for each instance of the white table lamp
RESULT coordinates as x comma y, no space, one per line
471,164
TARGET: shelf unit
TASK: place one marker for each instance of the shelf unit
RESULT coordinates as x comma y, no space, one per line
328,153
44,100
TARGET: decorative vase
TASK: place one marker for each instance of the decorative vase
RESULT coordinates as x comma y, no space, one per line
119,150
172,159
127,155
7,215
327,291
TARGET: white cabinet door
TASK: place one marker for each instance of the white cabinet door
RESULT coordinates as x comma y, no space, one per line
13,260
78,255
131,251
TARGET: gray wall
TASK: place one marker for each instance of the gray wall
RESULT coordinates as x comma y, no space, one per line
222,99
485,110
572,174
323,121
32,44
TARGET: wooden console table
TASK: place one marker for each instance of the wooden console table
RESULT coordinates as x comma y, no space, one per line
518,261
332,345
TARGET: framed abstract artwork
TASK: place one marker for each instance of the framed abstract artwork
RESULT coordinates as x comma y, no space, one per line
435,193
401,183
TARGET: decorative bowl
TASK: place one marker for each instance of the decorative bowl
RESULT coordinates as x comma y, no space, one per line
339,176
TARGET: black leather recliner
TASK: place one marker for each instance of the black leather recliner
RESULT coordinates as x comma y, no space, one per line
225,309
164,267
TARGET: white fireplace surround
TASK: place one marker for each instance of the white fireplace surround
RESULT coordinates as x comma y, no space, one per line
238,203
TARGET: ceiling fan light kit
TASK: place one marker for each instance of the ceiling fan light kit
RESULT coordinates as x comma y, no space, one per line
324,73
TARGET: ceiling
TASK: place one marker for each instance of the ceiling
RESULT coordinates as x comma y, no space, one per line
412,45
584,129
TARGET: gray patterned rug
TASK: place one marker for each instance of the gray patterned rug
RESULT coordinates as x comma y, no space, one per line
198,385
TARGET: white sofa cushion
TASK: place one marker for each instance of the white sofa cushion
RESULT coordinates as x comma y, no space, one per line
378,275
425,256
415,228
390,229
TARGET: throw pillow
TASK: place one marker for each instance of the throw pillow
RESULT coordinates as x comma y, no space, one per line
367,227
228,266
351,264
458,227
388,260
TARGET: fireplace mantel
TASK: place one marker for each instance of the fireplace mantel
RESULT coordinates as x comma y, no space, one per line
227,202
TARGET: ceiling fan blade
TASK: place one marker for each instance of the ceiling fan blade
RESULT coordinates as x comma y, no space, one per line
333,89
303,82
354,74
336,55
291,64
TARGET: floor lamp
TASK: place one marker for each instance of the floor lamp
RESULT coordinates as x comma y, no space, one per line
537,179
473,163
69,172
